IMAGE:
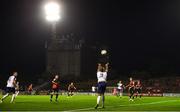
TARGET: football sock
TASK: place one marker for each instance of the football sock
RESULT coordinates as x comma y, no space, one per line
13,97
17,93
98,99
120,94
103,99
56,96
51,96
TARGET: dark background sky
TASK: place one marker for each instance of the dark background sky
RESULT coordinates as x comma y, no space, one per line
141,34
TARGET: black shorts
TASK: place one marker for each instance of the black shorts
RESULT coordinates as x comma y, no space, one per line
120,90
131,90
101,87
138,90
55,90
10,90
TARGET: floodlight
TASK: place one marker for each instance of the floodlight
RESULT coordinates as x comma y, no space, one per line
52,10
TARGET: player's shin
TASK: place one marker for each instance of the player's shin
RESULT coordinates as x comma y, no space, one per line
6,95
98,99
13,97
57,96
120,94
17,93
132,96
51,96
103,100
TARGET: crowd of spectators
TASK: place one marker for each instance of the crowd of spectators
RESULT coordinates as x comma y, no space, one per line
149,86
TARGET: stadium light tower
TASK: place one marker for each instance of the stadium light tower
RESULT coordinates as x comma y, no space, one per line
52,12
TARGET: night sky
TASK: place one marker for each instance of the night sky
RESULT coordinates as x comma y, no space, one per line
142,35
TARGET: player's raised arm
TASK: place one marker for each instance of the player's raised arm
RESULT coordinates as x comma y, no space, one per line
106,67
53,81
69,87
99,67
127,86
14,82
74,87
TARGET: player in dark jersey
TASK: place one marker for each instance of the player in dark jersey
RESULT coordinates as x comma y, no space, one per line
71,89
55,88
138,89
131,89
30,89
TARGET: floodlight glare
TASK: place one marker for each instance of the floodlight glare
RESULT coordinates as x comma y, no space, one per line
52,11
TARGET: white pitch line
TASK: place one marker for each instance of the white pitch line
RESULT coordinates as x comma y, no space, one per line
152,103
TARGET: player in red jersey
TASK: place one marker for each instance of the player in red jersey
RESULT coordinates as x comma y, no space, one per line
30,89
131,89
138,89
55,88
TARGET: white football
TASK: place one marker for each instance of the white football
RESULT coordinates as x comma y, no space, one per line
103,52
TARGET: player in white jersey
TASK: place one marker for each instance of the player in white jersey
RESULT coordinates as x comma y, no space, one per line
101,76
10,88
93,90
120,89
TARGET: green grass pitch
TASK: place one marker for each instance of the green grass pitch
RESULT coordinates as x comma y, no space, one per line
87,103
